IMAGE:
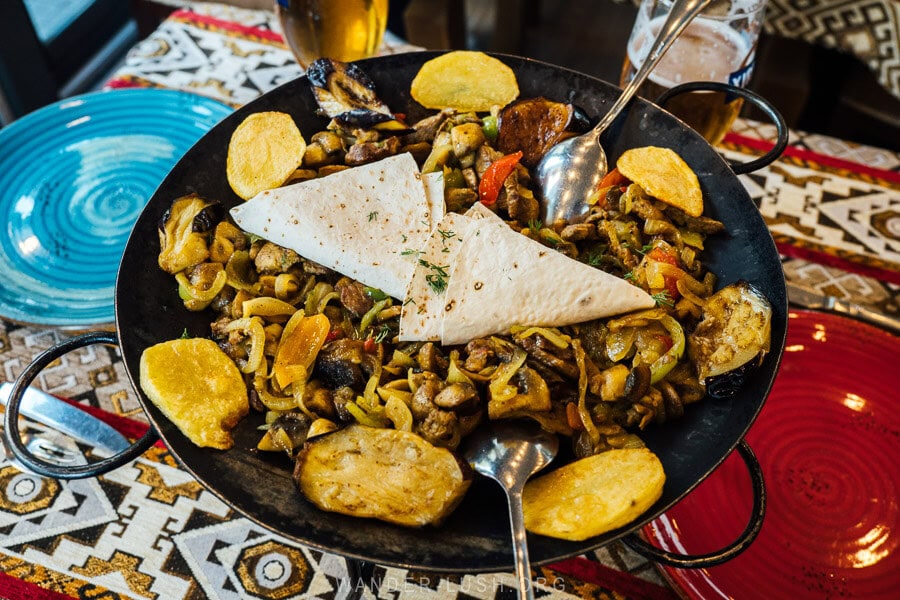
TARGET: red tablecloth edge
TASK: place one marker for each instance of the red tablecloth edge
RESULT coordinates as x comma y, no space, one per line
630,586
12,588
830,260
815,157
189,15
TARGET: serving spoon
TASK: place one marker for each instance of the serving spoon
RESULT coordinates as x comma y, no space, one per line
572,169
510,452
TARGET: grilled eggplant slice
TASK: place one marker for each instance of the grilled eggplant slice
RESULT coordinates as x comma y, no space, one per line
345,93
535,125
732,338
416,483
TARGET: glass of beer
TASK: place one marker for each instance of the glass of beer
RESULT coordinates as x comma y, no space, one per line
719,45
344,30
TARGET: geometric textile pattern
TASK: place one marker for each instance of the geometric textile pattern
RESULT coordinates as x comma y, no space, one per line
876,158
868,29
148,530
193,57
852,215
203,50
848,215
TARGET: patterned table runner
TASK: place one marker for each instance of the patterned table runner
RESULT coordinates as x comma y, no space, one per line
868,29
148,530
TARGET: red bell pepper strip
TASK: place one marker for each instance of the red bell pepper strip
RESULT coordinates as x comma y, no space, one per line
613,178
492,181
671,283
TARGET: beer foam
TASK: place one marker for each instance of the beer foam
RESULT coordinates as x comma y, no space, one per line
708,50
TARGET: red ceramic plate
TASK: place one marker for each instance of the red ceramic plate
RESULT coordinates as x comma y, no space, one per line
828,440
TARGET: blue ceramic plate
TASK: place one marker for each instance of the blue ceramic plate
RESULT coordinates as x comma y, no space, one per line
74,177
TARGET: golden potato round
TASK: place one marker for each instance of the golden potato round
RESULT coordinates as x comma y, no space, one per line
593,495
464,80
665,176
264,151
195,384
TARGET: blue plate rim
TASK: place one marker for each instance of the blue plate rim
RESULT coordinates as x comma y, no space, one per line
57,114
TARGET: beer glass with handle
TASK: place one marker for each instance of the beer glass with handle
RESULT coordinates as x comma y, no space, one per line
719,45
344,30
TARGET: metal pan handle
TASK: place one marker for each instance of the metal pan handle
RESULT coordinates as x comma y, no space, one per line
700,561
13,437
781,129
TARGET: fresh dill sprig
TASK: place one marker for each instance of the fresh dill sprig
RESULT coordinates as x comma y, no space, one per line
663,298
383,333
373,215
594,258
437,279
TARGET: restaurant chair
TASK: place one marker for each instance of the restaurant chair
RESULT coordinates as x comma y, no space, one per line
51,50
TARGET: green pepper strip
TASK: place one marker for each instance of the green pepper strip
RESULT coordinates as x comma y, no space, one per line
374,293
665,363
369,317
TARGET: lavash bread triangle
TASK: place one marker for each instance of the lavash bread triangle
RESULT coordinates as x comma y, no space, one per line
423,307
357,221
502,278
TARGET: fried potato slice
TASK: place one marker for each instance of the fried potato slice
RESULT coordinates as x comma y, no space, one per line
664,175
386,474
198,388
593,495
465,80
264,151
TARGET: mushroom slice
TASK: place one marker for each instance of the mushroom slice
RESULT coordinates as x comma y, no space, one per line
184,232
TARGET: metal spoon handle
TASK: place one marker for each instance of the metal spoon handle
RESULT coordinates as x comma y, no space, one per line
520,547
682,13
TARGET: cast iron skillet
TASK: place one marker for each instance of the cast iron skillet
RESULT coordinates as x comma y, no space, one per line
476,536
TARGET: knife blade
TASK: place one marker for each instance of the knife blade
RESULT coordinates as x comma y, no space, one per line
807,298
67,419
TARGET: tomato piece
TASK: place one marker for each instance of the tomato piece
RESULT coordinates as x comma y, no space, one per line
669,282
666,341
613,178
660,255
492,181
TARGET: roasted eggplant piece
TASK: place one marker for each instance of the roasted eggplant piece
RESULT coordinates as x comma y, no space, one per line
339,364
345,93
417,483
731,339
184,232
535,125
